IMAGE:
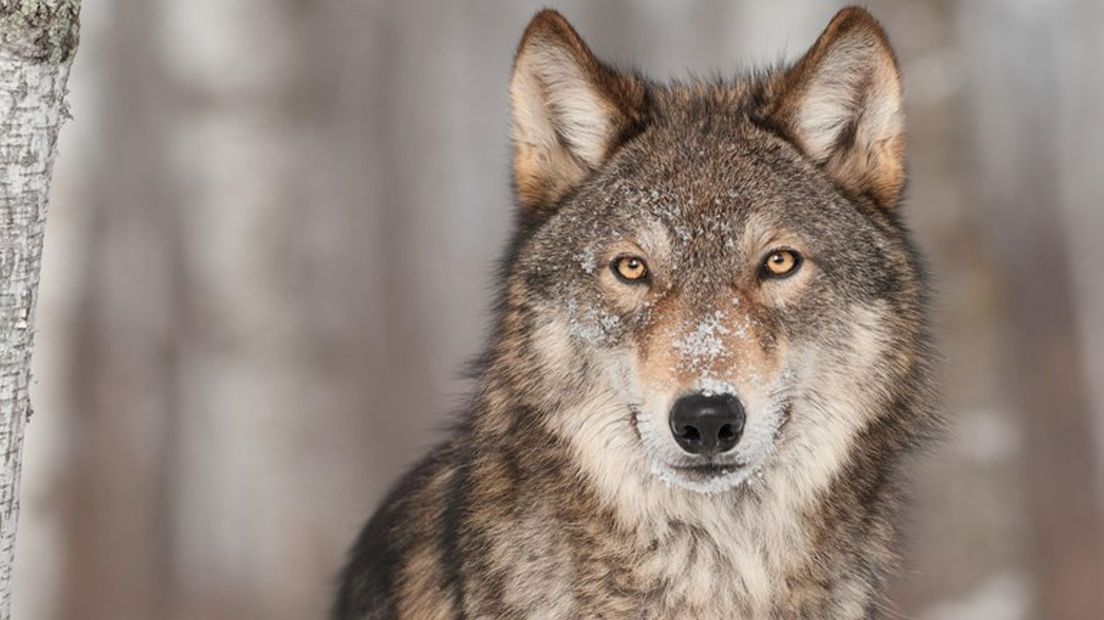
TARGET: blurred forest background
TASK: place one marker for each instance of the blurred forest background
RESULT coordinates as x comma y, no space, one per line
270,247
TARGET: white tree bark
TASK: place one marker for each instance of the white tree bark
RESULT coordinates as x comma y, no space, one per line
37,42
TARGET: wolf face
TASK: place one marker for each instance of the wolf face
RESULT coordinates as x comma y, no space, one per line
716,276
709,358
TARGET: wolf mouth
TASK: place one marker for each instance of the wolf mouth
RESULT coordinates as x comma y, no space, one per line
707,471
787,413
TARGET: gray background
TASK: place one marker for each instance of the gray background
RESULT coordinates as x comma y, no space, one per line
270,247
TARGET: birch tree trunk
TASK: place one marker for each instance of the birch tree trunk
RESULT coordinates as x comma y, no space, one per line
37,42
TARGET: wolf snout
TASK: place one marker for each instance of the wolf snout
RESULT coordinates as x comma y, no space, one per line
707,424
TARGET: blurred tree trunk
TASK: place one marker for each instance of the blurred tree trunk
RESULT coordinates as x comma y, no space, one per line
37,43
120,407
1023,107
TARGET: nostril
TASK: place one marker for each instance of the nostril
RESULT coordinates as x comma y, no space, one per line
689,433
726,433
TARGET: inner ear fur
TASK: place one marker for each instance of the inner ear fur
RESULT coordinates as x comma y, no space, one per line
569,110
841,104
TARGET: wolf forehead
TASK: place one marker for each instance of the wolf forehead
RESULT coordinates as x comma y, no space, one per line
682,171
703,167
694,197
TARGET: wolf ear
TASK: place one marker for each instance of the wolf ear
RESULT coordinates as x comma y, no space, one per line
569,111
842,105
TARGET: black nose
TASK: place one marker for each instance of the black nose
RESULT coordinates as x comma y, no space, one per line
707,425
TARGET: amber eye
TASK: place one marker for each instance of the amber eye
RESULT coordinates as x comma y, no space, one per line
780,264
629,268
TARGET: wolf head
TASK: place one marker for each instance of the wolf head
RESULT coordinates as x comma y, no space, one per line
711,280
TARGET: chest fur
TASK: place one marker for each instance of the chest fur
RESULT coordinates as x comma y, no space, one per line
684,571
690,573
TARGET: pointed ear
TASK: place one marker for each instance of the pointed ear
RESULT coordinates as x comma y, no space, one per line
570,111
841,104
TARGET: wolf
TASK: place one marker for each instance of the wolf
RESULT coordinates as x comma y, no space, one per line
710,360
